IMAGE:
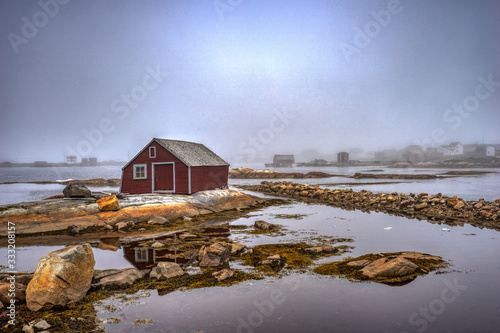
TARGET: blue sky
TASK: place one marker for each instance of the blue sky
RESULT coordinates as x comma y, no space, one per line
247,78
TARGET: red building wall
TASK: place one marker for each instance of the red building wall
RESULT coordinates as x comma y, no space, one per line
208,177
140,186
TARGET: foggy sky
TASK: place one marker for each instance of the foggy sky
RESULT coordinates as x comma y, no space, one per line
246,78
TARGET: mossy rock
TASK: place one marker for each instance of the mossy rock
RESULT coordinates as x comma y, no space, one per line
354,272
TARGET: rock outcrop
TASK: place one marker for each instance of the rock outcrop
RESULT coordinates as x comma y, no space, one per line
59,214
116,278
61,277
389,267
76,190
244,173
435,208
263,225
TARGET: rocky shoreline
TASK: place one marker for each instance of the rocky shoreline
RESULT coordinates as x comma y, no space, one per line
435,208
78,214
95,182
244,173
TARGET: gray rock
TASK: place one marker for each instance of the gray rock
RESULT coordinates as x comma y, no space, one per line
42,325
116,278
263,225
157,245
156,219
166,270
214,255
237,248
76,190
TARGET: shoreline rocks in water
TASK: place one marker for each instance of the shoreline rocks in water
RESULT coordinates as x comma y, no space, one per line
244,173
434,208
359,175
81,213
389,268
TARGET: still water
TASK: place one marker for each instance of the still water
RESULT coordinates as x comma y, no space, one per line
464,297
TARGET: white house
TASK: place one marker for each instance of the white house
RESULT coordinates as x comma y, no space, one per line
454,148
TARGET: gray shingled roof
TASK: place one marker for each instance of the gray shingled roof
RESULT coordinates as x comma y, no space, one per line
191,153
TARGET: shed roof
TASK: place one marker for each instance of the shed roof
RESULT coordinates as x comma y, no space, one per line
191,153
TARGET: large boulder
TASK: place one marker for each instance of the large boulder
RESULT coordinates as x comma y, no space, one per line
263,225
214,255
109,203
76,190
166,270
393,266
61,277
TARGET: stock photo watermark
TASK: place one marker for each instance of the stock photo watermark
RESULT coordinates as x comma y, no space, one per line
425,315
223,6
121,107
249,148
264,309
31,27
363,37
462,110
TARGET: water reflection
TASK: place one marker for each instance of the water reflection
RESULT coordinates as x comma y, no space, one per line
141,254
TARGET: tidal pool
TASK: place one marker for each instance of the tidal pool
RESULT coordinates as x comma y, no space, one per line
464,297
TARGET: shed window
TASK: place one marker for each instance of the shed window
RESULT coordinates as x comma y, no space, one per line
140,171
152,152
141,254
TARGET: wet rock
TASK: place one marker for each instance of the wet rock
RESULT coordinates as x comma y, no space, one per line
61,277
158,220
116,278
5,290
223,274
76,190
214,255
389,267
109,244
108,203
319,249
274,260
460,204
359,263
452,201
237,248
166,270
419,256
263,225
42,325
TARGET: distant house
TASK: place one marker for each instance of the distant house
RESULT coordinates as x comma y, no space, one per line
454,148
171,166
283,160
71,159
343,157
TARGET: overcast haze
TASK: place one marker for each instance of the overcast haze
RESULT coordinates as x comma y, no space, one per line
245,77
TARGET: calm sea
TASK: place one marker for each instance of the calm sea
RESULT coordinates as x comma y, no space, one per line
474,187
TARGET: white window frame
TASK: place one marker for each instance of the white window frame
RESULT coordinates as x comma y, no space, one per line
145,171
152,149
139,254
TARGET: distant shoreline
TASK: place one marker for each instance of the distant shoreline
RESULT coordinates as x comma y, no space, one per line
52,165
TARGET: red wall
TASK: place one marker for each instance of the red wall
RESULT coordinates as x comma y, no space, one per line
208,177
140,186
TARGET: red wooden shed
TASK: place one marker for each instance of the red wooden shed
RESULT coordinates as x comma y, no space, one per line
172,166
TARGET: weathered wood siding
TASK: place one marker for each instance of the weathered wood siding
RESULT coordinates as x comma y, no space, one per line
208,177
